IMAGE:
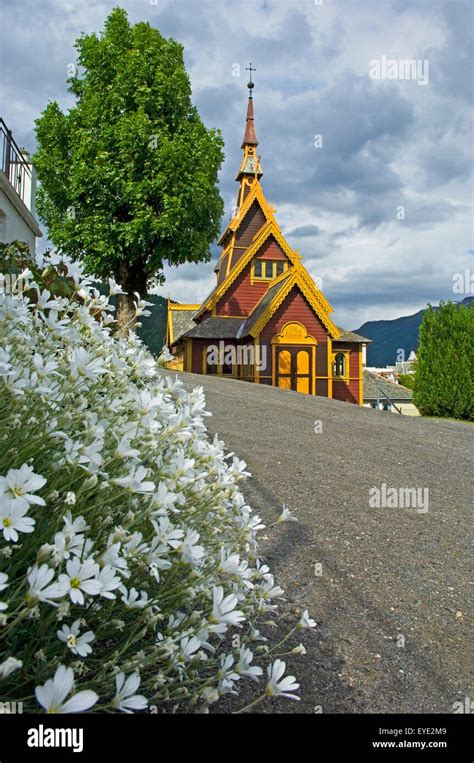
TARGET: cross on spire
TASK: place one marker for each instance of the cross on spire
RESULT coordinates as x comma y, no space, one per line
251,84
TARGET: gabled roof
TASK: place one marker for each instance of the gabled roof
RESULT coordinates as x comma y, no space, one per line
277,293
393,391
270,229
180,320
256,194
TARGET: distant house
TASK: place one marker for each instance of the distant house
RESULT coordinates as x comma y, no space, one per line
17,193
385,395
407,366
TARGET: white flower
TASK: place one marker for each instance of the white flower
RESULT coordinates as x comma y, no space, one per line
9,666
305,621
134,599
244,668
109,582
51,696
39,579
125,450
20,484
223,611
190,550
14,521
134,482
70,498
125,698
3,581
76,643
85,365
80,577
114,288
286,515
278,686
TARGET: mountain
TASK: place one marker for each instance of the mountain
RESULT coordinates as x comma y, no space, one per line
390,336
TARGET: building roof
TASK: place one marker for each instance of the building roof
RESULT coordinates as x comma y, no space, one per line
351,336
180,320
215,327
394,391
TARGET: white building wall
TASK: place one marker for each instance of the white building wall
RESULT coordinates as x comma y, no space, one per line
13,227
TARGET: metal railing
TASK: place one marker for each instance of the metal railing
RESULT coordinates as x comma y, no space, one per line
14,165
379,392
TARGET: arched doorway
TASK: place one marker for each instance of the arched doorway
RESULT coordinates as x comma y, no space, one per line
294,358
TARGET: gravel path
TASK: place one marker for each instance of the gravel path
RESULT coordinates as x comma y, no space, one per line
390,576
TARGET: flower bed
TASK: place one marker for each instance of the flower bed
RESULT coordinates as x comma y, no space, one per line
129,570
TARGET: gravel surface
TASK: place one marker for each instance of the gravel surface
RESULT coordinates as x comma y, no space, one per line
390,576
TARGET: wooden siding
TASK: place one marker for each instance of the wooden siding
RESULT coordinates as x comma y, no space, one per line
348,393
271,251
296,308
242,296
254,219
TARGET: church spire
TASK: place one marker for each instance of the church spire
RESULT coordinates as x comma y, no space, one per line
250,139
250,167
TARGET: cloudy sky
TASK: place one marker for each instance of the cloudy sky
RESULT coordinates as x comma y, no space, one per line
380,205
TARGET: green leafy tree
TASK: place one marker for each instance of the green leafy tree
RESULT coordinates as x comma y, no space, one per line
444,380
128,175
407,380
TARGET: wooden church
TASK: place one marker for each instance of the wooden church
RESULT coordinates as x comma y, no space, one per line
265,320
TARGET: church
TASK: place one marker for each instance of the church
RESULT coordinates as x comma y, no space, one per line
265,321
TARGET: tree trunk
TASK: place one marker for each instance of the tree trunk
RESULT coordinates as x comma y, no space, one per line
125,313
132,280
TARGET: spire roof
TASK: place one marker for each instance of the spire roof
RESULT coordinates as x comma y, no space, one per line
250,138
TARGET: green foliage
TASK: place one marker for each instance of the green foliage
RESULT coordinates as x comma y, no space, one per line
407,380
128,175
444,381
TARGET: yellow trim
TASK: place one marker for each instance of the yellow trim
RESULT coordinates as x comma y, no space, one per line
256,193
183,306
256,344
294,334
266,262
347,365
266,231
296,279
189,354
329,377
361,378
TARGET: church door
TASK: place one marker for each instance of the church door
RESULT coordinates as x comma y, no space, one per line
293,368
294,358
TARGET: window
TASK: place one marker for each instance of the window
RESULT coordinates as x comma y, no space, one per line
339,365
266,270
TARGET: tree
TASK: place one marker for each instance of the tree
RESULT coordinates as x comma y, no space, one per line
128,175
444,380
407,380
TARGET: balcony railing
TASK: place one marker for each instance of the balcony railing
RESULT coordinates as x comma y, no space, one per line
14,165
